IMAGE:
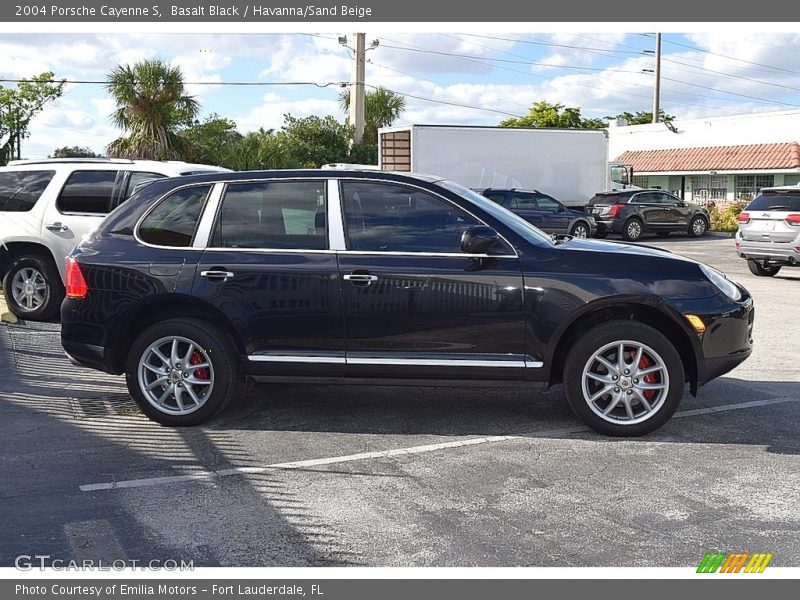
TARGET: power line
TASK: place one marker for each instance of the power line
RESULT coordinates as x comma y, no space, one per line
231,83
457,104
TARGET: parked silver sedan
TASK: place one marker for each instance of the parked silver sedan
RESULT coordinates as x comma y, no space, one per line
769,231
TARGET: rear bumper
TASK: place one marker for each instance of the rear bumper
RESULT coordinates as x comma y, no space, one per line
87,355
778,252
610,226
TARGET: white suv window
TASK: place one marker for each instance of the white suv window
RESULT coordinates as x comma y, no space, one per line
19,190
87,192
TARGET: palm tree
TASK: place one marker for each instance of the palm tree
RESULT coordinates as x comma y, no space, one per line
152,105
382,107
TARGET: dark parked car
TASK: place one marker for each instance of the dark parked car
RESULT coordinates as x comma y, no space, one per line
547,213
635,212
355,276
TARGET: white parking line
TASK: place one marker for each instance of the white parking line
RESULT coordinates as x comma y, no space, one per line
301,464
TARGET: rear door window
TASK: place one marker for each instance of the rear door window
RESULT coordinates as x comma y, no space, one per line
174,220
87,192
524,200
19,190
787,201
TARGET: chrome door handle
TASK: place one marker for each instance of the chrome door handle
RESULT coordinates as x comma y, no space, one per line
57,226
224,275
360,278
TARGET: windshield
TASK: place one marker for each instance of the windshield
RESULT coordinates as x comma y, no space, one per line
519,225
776,201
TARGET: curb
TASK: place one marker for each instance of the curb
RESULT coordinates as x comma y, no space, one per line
721,234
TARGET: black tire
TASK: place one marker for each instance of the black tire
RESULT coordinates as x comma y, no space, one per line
580,229
663,234
53,293
632,230
593,341
756,268
223,373
698,226
601,235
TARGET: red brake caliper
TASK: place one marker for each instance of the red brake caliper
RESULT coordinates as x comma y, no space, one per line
645,362
197,359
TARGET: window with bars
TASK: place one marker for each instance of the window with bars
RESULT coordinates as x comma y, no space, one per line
709,187
747,186
641,181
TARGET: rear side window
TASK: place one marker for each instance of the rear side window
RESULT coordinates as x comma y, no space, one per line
174,220
19,190
137,181
788,201
87,192
608,199
273,215
495,196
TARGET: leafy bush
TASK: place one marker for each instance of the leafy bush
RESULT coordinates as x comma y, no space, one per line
726,219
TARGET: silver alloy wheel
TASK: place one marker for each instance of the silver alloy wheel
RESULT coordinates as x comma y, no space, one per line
580,231
634,230
699,226
175,375
625,382
29,289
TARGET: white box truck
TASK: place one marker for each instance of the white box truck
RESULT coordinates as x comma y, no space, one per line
569,164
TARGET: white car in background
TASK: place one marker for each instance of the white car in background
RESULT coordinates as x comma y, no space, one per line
47,206
769,231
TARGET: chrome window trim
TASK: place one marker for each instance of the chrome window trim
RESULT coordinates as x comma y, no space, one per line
146,213
526,363
340,180
207,217
336,238
429,254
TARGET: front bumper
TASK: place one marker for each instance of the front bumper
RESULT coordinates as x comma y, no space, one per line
774,252
727,342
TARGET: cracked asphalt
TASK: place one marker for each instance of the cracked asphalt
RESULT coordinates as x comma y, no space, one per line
539,490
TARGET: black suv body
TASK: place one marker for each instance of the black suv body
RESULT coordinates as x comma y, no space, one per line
543,211
354,276
633,213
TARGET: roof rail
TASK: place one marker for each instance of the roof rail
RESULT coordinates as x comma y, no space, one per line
350,167
45,161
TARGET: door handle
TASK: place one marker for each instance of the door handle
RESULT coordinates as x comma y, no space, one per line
214,275
360,278
57,226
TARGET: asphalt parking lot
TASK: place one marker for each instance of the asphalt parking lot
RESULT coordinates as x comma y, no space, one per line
375,476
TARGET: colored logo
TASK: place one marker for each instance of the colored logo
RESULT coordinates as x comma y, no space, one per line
734,562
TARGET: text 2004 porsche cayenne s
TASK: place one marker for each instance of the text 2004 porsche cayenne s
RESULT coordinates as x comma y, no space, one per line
362,276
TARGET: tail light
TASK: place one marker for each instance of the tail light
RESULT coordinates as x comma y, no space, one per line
614,210
744,217
793,220
76,284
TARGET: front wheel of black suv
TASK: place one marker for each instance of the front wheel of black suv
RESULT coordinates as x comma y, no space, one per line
632,230
181,372
623,378
33,288
761,270
698,226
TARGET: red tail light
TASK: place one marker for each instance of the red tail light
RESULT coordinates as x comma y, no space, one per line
76,284
793,220
743,217
614,210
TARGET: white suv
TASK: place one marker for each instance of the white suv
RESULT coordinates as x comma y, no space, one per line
47,206
769,231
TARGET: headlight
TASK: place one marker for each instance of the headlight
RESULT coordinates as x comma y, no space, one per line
725,285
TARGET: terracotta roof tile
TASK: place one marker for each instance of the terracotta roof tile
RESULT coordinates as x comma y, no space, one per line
715,158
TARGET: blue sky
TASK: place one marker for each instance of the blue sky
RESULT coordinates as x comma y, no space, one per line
456,78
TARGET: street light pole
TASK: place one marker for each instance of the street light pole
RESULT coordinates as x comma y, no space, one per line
657,87
357,88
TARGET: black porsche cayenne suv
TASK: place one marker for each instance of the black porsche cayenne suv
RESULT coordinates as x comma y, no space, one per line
197,283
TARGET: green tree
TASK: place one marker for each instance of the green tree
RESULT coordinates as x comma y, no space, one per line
641,117
152,105
382,108
214,141
262,149
313,141
74,152
19,105
545,114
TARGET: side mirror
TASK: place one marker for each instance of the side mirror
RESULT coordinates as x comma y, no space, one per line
478,239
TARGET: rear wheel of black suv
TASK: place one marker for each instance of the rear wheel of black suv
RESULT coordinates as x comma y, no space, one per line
33,288
760,269
181,372
632,229
623,378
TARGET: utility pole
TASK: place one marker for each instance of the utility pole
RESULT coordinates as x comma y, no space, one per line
357,88
657,87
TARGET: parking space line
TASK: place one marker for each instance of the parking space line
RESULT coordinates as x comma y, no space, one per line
314,462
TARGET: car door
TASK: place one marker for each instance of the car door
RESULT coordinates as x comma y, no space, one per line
650,209
555,218
415,304
82,204
676,212
268,268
